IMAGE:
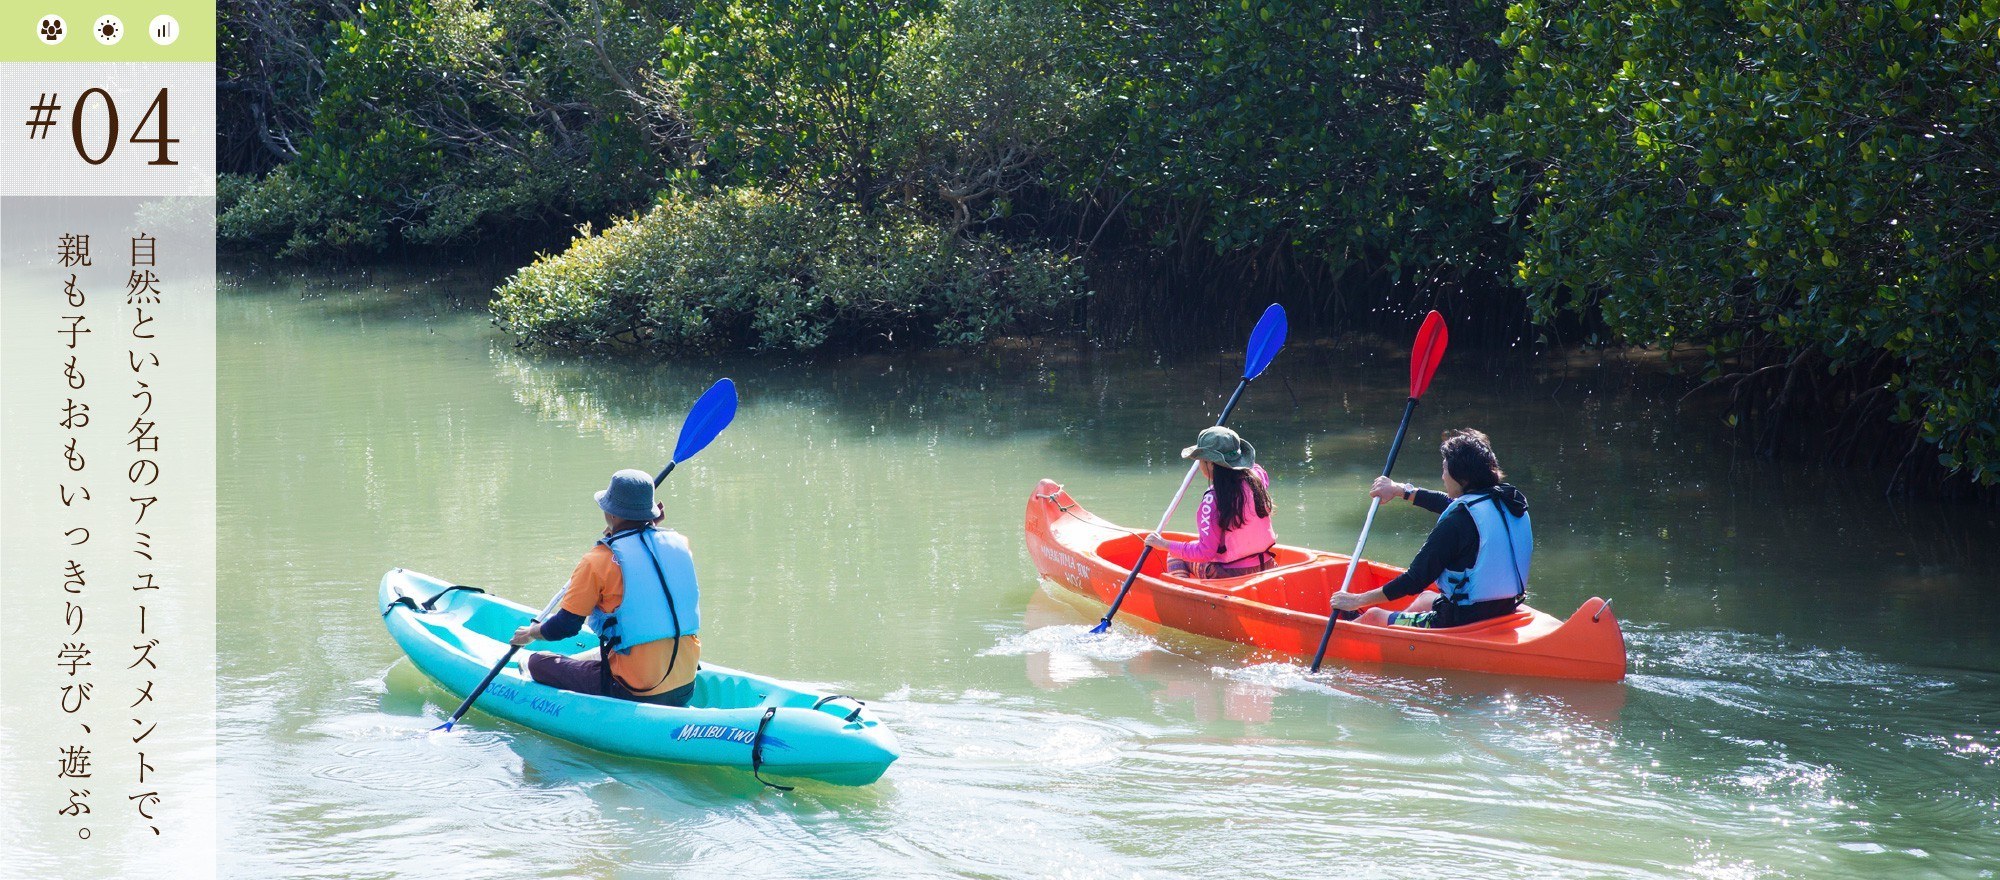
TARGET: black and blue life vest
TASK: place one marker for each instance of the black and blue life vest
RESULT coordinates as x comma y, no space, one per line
1506,546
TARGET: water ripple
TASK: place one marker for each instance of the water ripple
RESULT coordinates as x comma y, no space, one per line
1114,646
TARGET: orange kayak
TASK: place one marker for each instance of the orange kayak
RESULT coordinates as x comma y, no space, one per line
1283,609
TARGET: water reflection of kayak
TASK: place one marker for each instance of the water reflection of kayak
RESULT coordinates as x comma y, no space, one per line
1283,609
1170,679
455,635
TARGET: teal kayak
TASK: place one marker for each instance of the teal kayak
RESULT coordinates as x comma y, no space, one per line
455,634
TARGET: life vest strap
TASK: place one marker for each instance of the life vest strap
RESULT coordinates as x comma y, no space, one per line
673,657
1259,555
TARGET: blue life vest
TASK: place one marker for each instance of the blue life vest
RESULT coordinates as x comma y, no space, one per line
661,598
1506,546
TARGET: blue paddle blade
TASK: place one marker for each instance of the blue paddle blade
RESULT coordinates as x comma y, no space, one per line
1101,626
1265,341
709,416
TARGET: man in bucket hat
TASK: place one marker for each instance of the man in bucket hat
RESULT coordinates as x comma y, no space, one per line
1233,526
637,589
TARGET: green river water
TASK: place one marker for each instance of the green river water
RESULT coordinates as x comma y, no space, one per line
1815,687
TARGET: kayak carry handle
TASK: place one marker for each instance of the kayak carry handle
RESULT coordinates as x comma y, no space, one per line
429,604
851,716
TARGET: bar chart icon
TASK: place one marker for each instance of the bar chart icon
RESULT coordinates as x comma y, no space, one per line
164,30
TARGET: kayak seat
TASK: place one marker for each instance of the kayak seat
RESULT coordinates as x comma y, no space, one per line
715,690
1309,586
492,620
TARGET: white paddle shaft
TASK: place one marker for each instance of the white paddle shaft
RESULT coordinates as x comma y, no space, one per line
1355,560
553,602
1182,492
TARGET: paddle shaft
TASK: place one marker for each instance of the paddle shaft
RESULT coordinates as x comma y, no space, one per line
1146,550
1374,504
495,671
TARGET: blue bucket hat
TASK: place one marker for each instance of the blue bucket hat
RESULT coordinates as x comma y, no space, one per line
630,496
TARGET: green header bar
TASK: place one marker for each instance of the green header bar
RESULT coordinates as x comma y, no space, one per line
22,32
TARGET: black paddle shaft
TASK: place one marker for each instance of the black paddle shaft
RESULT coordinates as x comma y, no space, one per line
1395,446
1146,550
490,675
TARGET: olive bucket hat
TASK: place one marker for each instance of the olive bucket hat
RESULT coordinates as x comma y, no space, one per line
1224,447
630,496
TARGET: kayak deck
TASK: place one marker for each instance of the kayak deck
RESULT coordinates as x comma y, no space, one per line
454,635
1283,609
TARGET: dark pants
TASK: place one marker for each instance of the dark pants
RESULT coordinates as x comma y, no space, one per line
589,677
1442,613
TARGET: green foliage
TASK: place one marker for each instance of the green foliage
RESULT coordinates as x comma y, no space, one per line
745,268
443,119
269,77
295,210
979,97
789,93
949,107
1283,123
230,189
1817,173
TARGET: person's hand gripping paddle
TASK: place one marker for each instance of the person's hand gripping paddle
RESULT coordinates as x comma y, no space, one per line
1265,340
705,420
1424,358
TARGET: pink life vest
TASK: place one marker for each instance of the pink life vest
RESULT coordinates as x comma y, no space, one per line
1248,540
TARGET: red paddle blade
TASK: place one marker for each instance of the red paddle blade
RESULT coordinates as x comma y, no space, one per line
1426,354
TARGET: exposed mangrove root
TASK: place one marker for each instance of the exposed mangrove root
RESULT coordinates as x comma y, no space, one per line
1794,407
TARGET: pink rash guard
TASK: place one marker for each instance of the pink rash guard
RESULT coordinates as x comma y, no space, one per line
1252,537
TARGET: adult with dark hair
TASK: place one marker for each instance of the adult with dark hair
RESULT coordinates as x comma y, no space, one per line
1233,534
637,588
1477,554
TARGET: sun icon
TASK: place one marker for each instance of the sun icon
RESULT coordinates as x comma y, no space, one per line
108,30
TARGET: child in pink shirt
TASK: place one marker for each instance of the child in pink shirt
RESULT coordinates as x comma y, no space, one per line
1233,524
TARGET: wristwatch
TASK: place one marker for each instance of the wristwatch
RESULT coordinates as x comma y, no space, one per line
1408,490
